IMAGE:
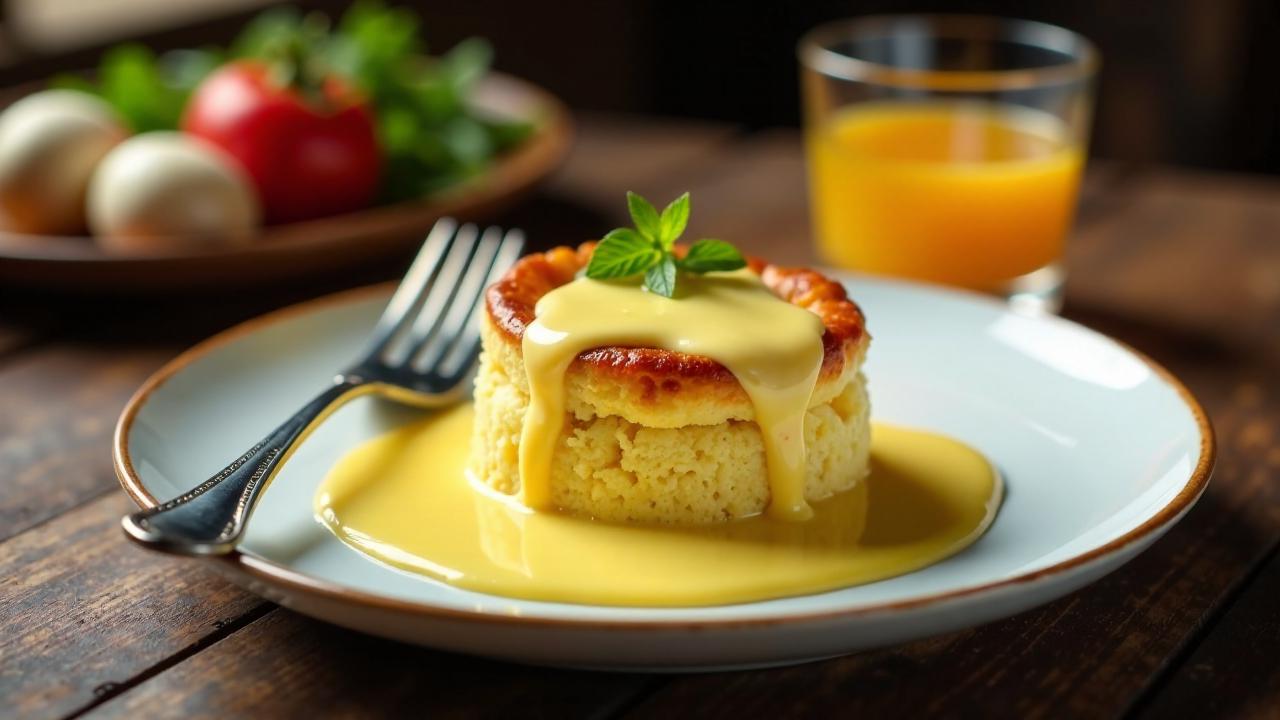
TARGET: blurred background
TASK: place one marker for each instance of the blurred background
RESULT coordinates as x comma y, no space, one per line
1187,82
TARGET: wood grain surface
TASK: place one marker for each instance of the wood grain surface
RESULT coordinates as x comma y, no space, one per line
85,613
60,400
1183,266
1234,672
263,669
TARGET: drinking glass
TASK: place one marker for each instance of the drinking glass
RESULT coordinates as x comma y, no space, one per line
948,149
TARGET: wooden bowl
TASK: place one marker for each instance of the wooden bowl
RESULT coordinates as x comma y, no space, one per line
322,245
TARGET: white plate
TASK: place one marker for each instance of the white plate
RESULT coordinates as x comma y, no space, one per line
1102,451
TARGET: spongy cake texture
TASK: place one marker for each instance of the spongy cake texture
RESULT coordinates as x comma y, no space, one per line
667,442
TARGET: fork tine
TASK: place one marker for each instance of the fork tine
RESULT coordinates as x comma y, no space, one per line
429,349
412,289
431,312
458,358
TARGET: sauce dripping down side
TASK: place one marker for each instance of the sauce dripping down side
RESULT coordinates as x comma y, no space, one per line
772,347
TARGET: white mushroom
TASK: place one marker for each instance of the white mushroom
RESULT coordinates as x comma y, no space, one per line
50,143
167,189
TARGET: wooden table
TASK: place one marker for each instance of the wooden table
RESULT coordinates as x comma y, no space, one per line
1184,266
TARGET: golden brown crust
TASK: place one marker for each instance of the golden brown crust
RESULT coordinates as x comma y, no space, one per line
510,303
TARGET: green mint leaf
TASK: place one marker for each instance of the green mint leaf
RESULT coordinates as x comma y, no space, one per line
643,215
711,256
673,221
661,278
622,253
648,248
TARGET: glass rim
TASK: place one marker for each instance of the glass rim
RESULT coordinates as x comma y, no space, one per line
815,52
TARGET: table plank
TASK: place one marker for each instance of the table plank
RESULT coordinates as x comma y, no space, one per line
1104,646
756,197
83,610
79,358
1194,252
56,421
288,666
614,154
1234,673
587,196
1215,244
63,393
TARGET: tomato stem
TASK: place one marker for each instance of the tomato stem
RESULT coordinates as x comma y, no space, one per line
297,61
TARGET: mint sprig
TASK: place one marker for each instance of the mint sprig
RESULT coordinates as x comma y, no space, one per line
649,248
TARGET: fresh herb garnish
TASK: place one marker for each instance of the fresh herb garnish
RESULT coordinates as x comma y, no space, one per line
649,248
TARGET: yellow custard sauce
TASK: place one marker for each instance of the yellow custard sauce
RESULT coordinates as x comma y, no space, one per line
405,499
772,347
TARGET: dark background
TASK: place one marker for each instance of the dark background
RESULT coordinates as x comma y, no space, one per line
1190,82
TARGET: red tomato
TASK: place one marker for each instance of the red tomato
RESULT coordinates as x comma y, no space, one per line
307,159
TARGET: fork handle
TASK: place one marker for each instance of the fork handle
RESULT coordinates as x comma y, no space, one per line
209,519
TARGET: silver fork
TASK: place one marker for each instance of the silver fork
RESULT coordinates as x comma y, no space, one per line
421,353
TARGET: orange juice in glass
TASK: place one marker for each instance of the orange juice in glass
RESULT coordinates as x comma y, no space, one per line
948,149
